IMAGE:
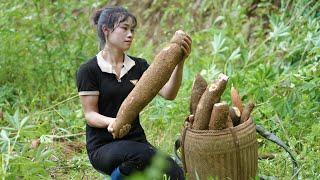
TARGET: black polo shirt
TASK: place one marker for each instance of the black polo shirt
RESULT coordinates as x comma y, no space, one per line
91,80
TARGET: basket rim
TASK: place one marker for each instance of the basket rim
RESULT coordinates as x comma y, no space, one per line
223,131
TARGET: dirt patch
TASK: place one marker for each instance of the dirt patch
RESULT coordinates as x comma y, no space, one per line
69,148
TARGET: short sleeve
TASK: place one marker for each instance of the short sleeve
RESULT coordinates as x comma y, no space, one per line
87,81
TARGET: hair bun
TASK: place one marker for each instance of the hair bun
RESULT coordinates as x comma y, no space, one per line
96,16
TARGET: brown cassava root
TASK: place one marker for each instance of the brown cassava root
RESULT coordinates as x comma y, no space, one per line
235,99
235,115
198,88
211,96
149,85
219,116
229,122
247,111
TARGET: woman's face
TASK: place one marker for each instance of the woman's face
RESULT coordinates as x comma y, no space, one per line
121,37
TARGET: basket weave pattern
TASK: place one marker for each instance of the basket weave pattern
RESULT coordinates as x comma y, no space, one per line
224,154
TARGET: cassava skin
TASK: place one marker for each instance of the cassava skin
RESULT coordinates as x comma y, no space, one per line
219,116
208,99
150,83
235,99
247,111
235,115
198,88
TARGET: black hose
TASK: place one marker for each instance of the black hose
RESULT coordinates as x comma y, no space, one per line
268,135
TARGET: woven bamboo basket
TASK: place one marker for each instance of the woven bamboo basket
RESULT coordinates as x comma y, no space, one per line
225,154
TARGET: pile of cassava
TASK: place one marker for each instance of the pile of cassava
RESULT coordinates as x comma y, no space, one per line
211,113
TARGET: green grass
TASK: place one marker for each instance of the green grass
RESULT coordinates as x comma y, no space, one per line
275,62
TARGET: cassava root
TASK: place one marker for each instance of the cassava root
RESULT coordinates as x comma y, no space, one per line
219,116
150,83
235,99
235,115
198,88
246,112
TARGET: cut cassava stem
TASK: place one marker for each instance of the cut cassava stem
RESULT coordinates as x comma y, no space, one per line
198,88
235,99
235,115
150,83
219,116
209,97
247,111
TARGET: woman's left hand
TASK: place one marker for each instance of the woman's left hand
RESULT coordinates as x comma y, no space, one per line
119,130
110,126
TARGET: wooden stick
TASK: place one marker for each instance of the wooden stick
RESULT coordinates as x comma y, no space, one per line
219,116
57,137
198,88
210,96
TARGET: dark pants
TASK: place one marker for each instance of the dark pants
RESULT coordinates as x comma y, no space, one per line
129,156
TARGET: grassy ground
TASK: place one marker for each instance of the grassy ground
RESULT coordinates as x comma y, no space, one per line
271,53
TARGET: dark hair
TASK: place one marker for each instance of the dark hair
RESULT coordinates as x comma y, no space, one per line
110,17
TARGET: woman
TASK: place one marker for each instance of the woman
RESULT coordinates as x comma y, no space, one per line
104,82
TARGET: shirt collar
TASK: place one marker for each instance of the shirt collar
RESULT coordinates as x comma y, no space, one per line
105,65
